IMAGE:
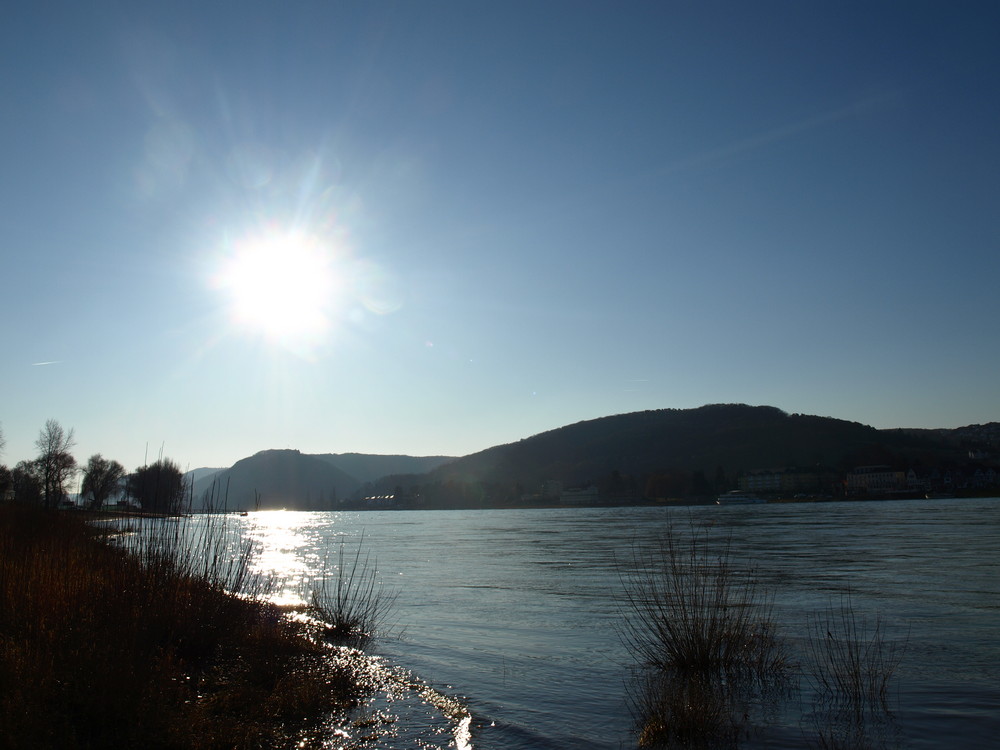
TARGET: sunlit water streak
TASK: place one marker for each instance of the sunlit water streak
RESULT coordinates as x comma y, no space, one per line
401,710
511,616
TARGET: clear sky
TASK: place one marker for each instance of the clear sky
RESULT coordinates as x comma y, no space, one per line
434,227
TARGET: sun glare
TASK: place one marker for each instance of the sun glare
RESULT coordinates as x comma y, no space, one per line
284,552
282,286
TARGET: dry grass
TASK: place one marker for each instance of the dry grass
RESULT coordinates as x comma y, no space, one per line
141,644
700,627
690,608
351,601
853,659
853,664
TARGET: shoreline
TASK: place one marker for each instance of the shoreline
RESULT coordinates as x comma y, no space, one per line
118,644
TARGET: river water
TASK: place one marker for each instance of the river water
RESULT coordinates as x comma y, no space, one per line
510,617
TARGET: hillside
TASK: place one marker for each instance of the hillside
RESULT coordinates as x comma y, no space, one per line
366,467
196,475
294,480
661,453
275,479
735,437
673,452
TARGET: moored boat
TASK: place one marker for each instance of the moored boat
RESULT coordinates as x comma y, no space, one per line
738,497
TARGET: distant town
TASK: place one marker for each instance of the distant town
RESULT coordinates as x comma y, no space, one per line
877,482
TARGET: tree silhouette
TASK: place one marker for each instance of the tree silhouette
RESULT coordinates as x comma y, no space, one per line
159,487
6,482
26,483
101,479
55,465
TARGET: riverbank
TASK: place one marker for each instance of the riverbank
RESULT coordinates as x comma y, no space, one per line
121,645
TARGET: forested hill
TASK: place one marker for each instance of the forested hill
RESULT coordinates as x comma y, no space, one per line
294,480
275,479
712,445
366,467
650,454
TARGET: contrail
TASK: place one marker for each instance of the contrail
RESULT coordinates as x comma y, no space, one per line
783,132
42,364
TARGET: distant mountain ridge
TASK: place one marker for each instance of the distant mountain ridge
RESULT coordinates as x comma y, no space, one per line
285,478
366,467
735,436
677,452
674,451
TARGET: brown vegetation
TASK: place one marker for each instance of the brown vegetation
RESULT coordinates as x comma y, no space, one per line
700,627
710,663
853,658
691,609
351,603
140,645
853,663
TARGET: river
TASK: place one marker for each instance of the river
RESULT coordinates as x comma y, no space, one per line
510,617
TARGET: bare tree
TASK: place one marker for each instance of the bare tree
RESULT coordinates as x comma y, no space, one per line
101,479
56,465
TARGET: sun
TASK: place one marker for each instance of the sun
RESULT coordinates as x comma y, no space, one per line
281,285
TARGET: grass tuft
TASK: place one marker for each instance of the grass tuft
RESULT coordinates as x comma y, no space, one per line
700,627
684,711
690,608
351,600
854,661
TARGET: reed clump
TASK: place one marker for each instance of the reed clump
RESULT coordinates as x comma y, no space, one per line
690,608
142,643
700,626
351,601
684,711
854,660
852,665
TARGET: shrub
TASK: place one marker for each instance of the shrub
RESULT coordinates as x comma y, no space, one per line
691,609
701,629
351,601
853,660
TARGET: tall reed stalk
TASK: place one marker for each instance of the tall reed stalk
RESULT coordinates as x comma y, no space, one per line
852,667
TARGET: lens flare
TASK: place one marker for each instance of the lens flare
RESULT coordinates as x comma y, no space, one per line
282,285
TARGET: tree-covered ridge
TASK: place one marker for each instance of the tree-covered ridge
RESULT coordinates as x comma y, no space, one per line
733,436
664,453
675,452
291,479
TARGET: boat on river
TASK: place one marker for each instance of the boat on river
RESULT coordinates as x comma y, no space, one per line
738,497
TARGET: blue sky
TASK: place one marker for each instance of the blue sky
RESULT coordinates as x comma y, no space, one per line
430,228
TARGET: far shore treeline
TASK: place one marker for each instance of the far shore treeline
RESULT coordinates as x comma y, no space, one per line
48,479
666,455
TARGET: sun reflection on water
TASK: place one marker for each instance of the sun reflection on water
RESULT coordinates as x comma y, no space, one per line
293,547
287,551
